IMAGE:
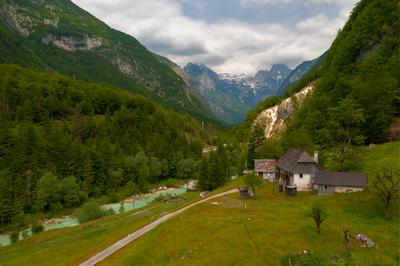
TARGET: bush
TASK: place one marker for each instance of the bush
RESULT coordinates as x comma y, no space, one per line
14,237
89,211
25,234
161,198
252,182
37,228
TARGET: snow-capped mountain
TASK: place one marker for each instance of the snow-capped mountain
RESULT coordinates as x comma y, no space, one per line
232,95
250,90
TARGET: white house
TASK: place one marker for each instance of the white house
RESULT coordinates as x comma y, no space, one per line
298,169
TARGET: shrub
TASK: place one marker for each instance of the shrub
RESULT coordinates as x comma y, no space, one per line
89,211
37,228
14,237
25,234
252,182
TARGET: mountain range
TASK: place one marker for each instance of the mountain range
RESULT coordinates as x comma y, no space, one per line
59,36
231,96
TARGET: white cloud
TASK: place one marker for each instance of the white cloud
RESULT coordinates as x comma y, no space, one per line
226,46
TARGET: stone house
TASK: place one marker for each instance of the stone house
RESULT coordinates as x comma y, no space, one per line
298,169
339,182
265,168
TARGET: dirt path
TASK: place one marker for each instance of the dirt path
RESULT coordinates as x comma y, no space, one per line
135,235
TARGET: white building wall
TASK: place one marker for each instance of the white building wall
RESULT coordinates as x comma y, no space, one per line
303,183
269,176
339,189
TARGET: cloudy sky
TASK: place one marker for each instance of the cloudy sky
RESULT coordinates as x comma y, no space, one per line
232,36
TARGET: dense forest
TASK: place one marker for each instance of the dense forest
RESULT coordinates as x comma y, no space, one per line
357,91
64,141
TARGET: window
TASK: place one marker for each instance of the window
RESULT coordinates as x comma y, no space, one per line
326,187
301,175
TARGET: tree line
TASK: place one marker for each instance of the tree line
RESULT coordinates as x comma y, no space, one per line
64,141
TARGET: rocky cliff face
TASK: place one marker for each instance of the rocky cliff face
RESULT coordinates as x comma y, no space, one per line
274,119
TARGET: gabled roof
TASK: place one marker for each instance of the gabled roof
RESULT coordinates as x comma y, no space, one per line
346,179
293,156
264,165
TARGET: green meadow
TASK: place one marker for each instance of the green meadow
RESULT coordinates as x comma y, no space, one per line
272,229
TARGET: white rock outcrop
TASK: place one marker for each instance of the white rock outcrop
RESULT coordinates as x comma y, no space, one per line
125,67
72,43
274,118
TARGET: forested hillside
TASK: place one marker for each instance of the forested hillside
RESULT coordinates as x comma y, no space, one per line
358,94
357,88
60,36
62,141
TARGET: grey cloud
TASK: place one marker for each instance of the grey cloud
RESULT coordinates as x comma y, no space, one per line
168,47
228,35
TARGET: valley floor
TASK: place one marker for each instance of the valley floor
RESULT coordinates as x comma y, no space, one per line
270,230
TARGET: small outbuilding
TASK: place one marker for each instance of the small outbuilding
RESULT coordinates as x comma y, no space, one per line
244,193
339,182
265,168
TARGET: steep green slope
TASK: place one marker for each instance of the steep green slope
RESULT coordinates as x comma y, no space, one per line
109,140
357,96
357,86
59,36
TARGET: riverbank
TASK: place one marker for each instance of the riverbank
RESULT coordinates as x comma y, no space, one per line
132,203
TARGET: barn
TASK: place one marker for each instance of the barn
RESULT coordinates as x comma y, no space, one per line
265,168
339,182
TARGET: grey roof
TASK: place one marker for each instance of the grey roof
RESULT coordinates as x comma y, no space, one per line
293,156
346,179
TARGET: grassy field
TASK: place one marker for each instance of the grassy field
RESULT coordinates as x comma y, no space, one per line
271,229
71,246
386,155
274,228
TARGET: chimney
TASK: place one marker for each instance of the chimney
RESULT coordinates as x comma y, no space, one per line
316,156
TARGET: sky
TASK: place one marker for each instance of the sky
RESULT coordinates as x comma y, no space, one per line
229,36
